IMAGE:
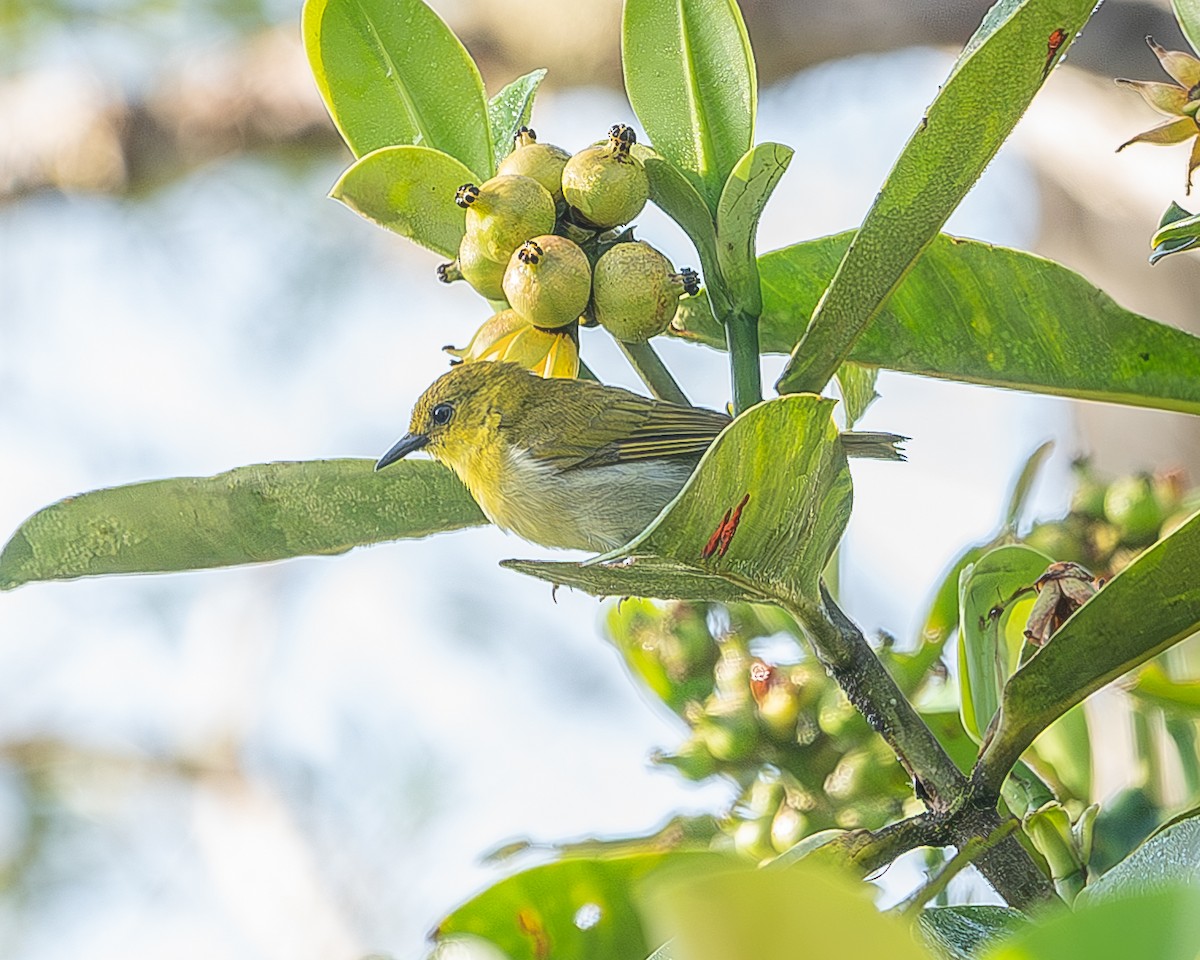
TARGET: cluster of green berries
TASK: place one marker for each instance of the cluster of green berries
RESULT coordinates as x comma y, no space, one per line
542,235
803,756
1110,523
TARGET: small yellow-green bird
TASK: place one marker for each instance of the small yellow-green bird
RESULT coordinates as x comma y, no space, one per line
569,463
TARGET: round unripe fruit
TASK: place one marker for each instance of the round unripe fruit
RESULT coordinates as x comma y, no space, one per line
635,291
542,162
482,273
1132,507
505,212
548,281
606,183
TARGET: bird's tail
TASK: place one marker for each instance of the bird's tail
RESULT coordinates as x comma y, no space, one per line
873,446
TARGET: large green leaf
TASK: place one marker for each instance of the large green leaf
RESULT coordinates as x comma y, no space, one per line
510,109
989,87
1150,605
1170,856
981,314
991,625
804,911
574,909
267,511
391,72
1164,925
1187,12
409,190
743,199
783,463
689,73
964,932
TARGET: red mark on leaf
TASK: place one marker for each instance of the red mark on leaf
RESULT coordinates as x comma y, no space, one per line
1053,44
531,925
722,537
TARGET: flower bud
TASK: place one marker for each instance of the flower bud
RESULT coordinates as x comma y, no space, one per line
635,291
548,281
542,162
509,336
606,183
505,212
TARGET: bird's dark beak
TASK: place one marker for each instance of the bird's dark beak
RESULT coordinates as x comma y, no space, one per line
402,448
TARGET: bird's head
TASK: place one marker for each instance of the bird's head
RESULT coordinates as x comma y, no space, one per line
458,415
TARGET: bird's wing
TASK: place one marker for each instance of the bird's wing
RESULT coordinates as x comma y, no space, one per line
622,427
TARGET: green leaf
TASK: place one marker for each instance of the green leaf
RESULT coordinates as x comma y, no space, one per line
991,625
689,73
253,514
783,462
1024,484
582,909
963,932
1178,231
509,110
1169,856
857,386
976,313
1146,608
1153,685
1065,747
409,190
677,198
801,911
1164,925
391,73
1187,12
989,88
741,206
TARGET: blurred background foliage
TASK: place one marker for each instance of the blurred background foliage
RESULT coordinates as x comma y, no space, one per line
124,119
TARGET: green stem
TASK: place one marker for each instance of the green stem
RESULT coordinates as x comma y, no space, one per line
741,333
969,852
654,373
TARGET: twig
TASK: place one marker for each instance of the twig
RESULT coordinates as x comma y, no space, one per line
654,373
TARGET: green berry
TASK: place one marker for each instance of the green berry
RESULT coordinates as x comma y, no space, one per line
606,184
542,162
1133,508
635,291
548,281
483,274
505,212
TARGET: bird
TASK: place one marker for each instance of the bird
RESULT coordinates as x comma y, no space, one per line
569,463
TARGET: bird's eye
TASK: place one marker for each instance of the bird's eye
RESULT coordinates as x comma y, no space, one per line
442,413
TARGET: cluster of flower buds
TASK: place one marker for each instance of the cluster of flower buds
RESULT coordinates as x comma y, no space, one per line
545,236
803,756
1109,524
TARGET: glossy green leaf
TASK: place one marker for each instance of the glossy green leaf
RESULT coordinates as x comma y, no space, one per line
253,514
1178,230
857,386
973,312
672,193
806,910
783,463
989,87
1169,856
1164,925
689,74
391,73
743,199
1187,12
963,932
1146,608
509,110
573,909
409,190
1065,748
991,624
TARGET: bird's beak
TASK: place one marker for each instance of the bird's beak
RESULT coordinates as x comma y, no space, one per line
402,448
